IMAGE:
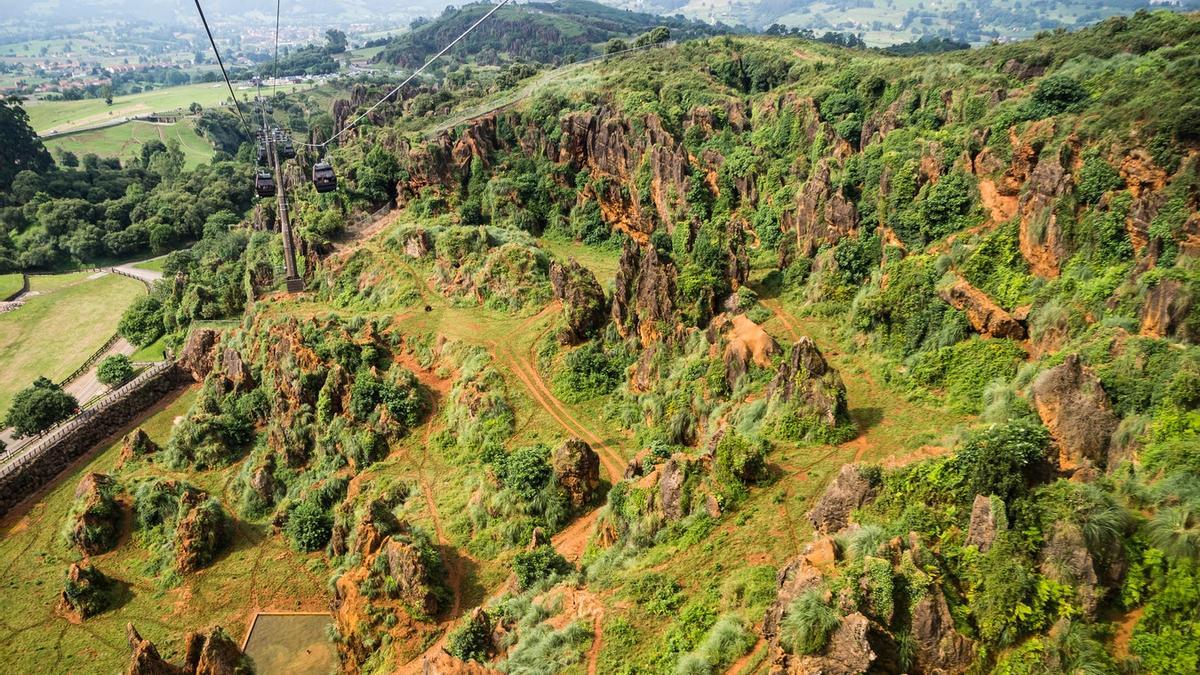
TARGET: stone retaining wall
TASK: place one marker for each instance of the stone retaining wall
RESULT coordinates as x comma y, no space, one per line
41,462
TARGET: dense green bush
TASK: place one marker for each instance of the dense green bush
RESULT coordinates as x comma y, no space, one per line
540,563
142,322
587,372
1002,459
526,470
309,526
115,370
39,407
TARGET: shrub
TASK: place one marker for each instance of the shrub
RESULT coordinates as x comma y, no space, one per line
541,563
469,640
1057,94
588,372
657,594
727,640
142,322
807,624
115,370
39,407
309,526
1097,177
740,460
1001,459
526,470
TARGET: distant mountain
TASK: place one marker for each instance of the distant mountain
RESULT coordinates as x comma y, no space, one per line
887,22
544,32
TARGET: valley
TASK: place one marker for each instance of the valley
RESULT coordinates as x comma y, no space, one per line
730,354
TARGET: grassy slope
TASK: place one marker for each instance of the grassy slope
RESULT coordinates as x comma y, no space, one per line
126,140
54,331
9,284
64,115
259,571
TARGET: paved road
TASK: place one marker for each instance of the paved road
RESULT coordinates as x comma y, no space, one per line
148,276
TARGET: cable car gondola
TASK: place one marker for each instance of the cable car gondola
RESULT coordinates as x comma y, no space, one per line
323,177
264,184
287,149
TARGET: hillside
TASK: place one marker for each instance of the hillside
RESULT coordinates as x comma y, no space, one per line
888,22
741,355
541,32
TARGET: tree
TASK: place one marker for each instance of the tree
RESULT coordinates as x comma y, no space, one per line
115,370
195,108
615,46
39,407
142,322
335,41
20,147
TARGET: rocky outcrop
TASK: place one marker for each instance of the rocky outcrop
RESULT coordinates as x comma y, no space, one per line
86,593
577,471
986,317
212,652
408,570
137,443
416,243
97,523
852,488
584,306
643,300
855,647
1042,240
208,652
747,344
822,215
1166,310
1065,558
941,649
802,573
985,522
203,531
235,370
809,384
199,353
1076,410
145,659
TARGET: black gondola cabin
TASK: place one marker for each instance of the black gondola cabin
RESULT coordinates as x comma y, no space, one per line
323,177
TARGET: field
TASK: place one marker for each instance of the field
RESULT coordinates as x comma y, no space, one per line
47,116
282,643
9,284
41,641
126,140
70,317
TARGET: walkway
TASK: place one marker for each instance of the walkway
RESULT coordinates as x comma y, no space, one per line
147,276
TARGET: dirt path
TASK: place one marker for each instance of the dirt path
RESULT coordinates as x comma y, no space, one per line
738,667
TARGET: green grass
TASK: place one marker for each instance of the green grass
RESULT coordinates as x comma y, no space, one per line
64,115
602,262
56,330
9,284
258,569
155,351
126,140
155,265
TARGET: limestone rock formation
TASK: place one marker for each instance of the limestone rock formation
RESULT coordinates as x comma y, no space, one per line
984,523
145,659
811,385
416,243
1065,558
941,649
213,652
137,443
202,531
854,647
97,520
235,370
86,592
584,305
1166,310
644,293
1042,240
410,573
747,344
199,353
986,317
852,488
822,215
577,470
802,573
1076,410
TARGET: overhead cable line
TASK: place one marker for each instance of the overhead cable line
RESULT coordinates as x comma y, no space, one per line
275,71
236,106
408,79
